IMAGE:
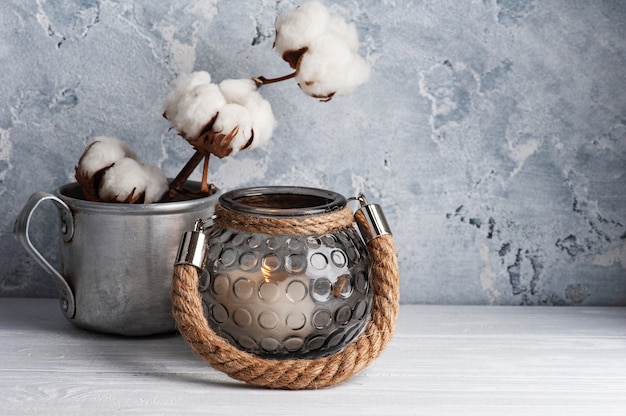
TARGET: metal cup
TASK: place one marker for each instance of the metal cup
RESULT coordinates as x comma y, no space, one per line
116,260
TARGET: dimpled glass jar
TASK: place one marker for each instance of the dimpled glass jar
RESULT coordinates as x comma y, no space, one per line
282,295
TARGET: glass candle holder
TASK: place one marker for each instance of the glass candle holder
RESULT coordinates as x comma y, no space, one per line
285,295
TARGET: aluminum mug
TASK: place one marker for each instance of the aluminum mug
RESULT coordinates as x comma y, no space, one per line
116,260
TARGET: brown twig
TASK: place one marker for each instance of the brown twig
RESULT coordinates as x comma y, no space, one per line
260,81
204,187
177,184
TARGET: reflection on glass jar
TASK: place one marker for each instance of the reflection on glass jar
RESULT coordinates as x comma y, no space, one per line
287,296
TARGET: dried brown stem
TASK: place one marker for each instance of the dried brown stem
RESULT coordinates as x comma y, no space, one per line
177,184
260,81
204,187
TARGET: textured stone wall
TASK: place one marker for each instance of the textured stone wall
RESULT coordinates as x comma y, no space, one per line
492,132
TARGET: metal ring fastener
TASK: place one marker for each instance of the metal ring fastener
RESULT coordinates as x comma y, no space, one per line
370,219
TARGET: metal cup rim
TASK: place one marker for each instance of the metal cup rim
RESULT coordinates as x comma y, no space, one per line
71,194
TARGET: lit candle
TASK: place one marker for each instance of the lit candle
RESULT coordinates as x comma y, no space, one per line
287,295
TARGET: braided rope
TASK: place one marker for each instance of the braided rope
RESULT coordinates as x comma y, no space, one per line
293,374
309,225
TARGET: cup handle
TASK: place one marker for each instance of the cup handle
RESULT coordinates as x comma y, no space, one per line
20,231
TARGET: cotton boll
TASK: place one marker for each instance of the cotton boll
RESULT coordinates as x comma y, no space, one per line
125,181
263,121
340,29
182,86
328,68
197,109
156,183
295,29
102,152
323,49
233,121
188,81
238,91
357,73
109,164
245,92
192,105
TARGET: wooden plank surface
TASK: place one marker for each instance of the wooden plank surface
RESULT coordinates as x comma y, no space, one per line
444,360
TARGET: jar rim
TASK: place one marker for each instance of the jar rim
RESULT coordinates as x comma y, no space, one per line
282,201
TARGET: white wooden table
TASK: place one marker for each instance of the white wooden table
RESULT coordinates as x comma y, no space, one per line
444,360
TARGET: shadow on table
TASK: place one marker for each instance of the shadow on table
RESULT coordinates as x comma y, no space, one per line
164,356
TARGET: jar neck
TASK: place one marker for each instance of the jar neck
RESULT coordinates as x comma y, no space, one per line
282,201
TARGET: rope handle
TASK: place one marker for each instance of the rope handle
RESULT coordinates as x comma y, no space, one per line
293,374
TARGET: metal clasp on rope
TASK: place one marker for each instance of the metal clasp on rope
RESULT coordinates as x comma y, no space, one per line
193,246
370,219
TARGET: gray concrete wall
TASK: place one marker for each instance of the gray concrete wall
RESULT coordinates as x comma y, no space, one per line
492,132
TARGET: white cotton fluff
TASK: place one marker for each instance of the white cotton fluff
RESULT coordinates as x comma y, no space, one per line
128,176
156,183
103,151
330,68
185,83
233,117
193,103
238,91
235,104
296,28
263,121
245,93
125,176
331,64
123,172
345,31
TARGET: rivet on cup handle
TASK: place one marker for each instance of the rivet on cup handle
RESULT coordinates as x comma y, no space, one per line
21,233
